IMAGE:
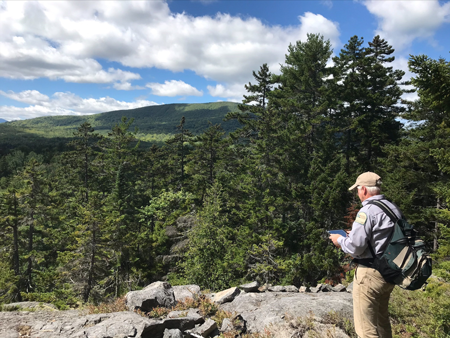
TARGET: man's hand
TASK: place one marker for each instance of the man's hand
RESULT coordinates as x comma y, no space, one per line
334,238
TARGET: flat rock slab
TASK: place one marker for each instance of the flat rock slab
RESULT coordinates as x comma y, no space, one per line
73,324
261,309
291,288
277,288
250,287
206,328
35,306
226,295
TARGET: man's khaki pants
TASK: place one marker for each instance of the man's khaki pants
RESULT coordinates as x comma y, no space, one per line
370,304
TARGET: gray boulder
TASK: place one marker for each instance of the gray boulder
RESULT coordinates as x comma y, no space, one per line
291,288
350,287
195,313
264,288
318,288
304,289
153,295
250,287
227,325
339,288
126,324
182,292
236,323
326,288
277,288
205,329
175,333
262,309
181,323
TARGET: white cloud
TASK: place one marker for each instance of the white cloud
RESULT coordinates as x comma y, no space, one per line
233,92
62,104
126,86
63,39
400,22
327,3
174,88
27,96
29,57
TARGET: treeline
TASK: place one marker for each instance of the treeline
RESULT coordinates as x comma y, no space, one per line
90,223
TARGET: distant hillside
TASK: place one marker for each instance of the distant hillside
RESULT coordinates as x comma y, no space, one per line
2,120
155,123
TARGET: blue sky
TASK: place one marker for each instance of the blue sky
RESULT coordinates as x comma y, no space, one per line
84,57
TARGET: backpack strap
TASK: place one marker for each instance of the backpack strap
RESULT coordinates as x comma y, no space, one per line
390,214
385,209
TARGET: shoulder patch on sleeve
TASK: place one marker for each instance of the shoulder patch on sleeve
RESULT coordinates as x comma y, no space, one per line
361,218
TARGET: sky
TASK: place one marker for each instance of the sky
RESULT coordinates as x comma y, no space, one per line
86,57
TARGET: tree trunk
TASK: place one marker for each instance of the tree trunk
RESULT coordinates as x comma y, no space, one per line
30,249
436,227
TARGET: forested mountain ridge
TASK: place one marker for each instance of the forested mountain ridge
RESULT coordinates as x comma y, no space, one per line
155,123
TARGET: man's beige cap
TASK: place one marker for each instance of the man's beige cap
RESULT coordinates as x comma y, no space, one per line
368,179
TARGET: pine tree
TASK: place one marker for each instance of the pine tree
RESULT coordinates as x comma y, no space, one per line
33,205
349,90
377,124
204,159
180,150
81,158
415,169
11,215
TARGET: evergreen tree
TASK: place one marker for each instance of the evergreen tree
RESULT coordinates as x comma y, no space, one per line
203,160
415,169
81,158
33,205
11,215
349,89
180,150
377,124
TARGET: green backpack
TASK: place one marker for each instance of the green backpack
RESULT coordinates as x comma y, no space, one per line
405,261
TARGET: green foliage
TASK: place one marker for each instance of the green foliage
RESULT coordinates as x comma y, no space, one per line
101,214
267,264
63,297
8,282
214,259
421,314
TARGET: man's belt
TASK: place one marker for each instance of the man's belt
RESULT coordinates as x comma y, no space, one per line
363,261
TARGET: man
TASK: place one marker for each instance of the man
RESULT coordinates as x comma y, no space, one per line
370,232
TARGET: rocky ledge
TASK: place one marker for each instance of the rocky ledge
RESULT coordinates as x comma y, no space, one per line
250,308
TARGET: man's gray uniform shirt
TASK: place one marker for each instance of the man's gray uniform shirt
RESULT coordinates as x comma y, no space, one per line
371,224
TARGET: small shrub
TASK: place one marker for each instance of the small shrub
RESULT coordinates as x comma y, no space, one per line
188,303
117,305
159,312
345,324
220,315
207,307
5,308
